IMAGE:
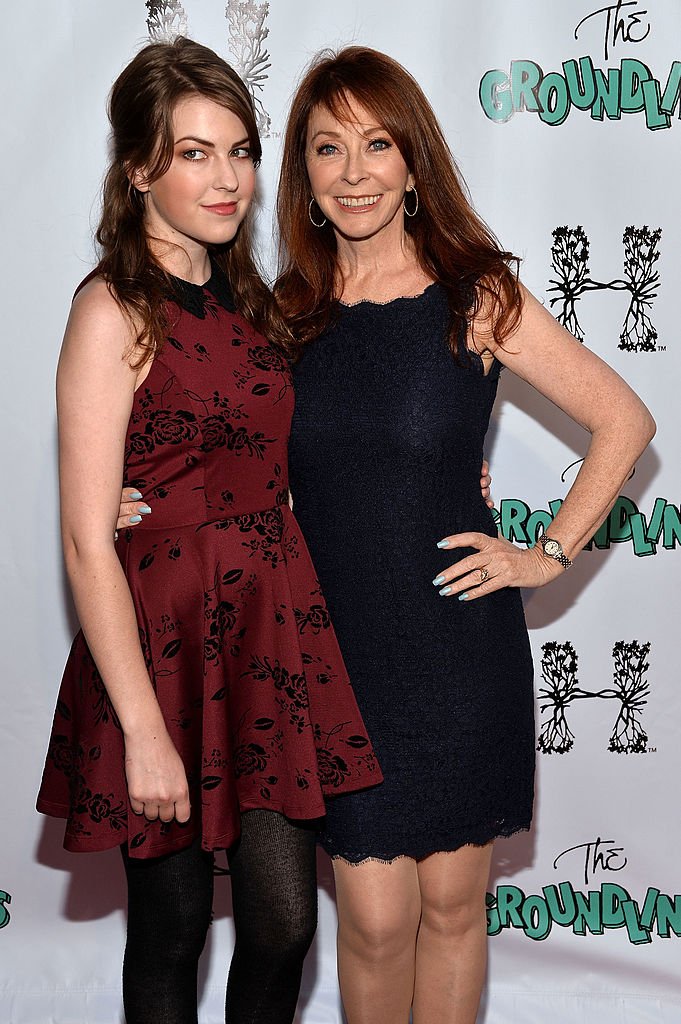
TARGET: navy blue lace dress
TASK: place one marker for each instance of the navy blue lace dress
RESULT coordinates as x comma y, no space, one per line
385,454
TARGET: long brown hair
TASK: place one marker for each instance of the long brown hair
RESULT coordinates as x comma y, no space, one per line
452,243
141,106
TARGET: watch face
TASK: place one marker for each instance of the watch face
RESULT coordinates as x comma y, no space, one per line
553,548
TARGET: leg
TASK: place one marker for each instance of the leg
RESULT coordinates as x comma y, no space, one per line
169,906
451,951
379,907
274,896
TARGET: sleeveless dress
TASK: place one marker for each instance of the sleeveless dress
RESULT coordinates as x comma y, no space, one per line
385,454
233,625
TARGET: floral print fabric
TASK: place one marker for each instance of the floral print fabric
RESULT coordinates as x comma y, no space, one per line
232,623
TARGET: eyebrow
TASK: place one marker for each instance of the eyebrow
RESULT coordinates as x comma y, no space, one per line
337,135
205,142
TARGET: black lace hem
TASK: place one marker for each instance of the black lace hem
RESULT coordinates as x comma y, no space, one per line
419,851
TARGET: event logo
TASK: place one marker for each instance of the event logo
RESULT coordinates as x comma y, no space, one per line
625,524
247,35
570,263
618,24
5,898
607,907
630,88
166,20
630,690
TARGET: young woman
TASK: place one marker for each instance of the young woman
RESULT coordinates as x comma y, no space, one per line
205,703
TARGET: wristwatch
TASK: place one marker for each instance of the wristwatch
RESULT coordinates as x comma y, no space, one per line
553,549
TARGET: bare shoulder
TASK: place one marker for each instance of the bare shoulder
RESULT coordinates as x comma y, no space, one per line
481,337
97,324
99,338
95,302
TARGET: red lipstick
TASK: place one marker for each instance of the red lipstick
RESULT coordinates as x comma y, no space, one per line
222,209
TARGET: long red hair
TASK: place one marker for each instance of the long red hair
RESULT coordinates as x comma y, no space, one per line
453,245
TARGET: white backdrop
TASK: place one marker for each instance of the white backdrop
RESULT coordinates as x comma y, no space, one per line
590,935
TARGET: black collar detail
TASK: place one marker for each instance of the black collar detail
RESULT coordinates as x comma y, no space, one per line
195,298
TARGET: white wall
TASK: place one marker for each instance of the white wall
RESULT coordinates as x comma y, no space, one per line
60,949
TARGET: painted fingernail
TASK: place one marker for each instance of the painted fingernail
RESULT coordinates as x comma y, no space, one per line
144,509
463,597
443,543
135,519
135,496
445,591
438,580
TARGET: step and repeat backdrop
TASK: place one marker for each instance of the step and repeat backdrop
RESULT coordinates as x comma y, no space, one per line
565,120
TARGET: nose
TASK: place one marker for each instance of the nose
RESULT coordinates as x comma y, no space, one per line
226,176
354,170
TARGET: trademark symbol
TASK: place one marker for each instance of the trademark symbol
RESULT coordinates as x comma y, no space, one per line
661,348
652,750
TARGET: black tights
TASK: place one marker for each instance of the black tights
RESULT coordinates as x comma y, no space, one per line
274,898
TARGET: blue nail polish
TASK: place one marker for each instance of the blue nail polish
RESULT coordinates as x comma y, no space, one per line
135,519
144,509
443,543
438,580
445,591
135,496
463,597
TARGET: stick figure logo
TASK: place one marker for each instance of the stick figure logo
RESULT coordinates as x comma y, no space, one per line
561,688
166,20
247,35
570,263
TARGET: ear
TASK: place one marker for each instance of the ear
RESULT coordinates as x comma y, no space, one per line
411,183
138,179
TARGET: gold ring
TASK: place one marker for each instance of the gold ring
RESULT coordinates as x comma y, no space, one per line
484,575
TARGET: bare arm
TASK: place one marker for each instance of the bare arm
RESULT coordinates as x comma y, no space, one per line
589,391
95,388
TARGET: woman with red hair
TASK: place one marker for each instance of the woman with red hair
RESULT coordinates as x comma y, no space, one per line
404,311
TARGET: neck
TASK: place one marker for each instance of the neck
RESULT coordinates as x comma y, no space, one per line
386,254
182,257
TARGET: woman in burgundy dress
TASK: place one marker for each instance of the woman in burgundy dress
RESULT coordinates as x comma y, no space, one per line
205,704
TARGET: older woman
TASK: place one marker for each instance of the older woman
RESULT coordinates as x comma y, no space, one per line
406,310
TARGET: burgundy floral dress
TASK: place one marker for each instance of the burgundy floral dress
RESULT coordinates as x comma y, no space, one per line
232,623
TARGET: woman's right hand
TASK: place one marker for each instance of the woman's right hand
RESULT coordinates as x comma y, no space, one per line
157,781
132,508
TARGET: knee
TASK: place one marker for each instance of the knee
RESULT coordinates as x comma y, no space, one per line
378,934
296,932
177,942
285,934
454,915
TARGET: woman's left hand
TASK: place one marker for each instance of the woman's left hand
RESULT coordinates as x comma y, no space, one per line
496,563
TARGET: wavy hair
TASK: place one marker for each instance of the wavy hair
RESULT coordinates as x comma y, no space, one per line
453,245
141,106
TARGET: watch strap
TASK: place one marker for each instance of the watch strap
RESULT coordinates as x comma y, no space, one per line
559,556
